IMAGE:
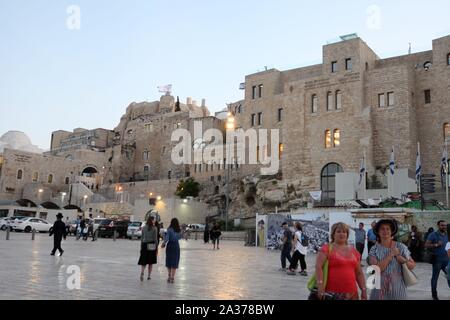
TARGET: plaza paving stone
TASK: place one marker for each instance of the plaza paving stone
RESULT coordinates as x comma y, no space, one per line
109,270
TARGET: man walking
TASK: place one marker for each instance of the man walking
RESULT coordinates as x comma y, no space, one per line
286,247
90,227
59,232
437,241
360,238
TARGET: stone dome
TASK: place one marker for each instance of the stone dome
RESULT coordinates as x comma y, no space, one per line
17,140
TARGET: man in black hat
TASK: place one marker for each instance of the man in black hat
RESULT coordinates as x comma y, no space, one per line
59,232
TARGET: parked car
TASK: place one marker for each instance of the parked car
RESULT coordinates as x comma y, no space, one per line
195,227
135,229
97,222
108,226
27,224
5,222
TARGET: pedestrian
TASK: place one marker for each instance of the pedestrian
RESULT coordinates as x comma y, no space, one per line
360,238
414,243
344,268
286,246
300,251
173,235
58,232
389,256
149,247
90,225
206,233
371,236
437,242
81,228
215,235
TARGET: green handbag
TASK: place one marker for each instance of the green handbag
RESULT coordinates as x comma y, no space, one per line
312,283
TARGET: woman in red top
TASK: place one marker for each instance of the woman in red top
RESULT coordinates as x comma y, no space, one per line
344,269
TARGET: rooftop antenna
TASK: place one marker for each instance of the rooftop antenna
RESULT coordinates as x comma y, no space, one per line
409,50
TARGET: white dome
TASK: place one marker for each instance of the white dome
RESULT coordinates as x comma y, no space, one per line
17,140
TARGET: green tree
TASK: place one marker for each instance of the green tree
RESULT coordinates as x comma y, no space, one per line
188,188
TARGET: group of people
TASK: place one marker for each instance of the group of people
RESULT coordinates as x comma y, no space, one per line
150,245
84,228
343,275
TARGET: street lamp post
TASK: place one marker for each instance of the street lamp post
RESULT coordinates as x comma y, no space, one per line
229,126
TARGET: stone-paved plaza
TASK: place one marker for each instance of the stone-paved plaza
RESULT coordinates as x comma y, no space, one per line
109,270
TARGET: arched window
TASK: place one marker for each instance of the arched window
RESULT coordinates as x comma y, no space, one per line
338,100
35,176
67,180
19,174
336,137
329,101
328,139
328,180
50,178
446,132
314,103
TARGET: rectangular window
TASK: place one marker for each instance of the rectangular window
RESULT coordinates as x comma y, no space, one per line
259,118
348,64
280,114
314,104
254,92
328,139
35,176
253,119
427,96
381,100
280,150
338,100
260,89
334,67
391,100
257,154
212,178
337,138
195,168
448,59
199,167
329,101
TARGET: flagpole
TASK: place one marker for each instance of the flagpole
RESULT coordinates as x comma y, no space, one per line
418,181
446,173
393,174
365,174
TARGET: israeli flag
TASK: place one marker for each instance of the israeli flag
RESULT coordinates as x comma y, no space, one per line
392,163
362,171
418,166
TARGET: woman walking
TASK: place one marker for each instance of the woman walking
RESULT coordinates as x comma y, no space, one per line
149,247
344,268
300,252
171,239
389,256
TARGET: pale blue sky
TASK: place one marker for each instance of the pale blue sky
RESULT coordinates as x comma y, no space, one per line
54,78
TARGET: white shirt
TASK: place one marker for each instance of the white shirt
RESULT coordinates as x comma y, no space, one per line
447,247
298,244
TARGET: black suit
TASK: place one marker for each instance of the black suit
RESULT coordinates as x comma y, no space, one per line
59,232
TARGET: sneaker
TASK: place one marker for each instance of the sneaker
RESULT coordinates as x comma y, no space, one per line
52,254
435,297
303,273
61,253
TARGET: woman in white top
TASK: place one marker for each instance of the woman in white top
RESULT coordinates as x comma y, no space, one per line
300,252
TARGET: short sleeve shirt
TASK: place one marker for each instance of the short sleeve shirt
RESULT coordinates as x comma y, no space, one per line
440,252
288,235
